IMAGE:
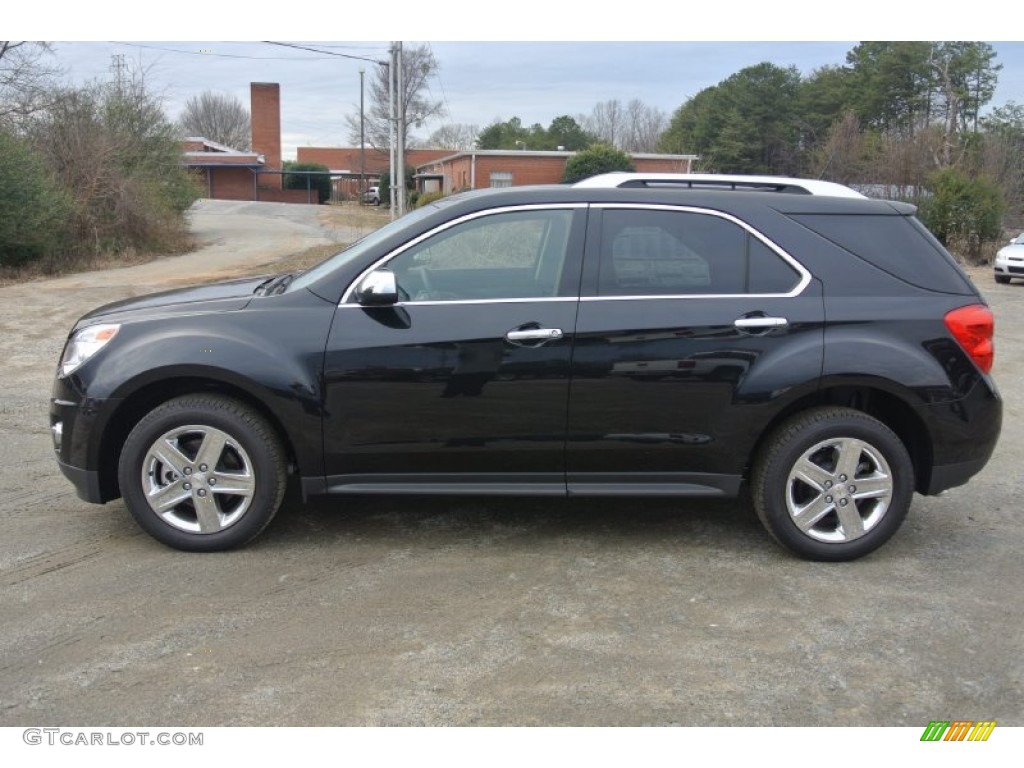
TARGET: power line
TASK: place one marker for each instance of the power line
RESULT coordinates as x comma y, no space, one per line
220,55
354,47
328,53
440,82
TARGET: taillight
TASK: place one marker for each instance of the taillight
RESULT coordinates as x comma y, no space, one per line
973,327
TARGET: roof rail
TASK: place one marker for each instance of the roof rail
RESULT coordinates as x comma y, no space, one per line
783,184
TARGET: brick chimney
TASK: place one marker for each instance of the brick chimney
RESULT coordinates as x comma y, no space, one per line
266,129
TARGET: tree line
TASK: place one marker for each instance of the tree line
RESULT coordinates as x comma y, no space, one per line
902,120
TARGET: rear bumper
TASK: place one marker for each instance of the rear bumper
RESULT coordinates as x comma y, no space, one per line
951,475
965,433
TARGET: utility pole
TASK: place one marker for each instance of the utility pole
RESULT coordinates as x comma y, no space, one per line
392,67
362,141
399,77
117,66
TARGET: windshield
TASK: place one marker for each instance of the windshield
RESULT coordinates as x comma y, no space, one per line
358,248
1019,240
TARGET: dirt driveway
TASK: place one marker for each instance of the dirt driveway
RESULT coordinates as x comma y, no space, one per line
472,611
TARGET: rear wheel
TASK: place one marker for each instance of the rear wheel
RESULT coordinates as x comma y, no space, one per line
833,484
203,473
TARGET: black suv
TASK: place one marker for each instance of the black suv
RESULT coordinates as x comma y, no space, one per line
632,335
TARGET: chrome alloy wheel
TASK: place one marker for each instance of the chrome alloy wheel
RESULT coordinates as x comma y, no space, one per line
198,479
839,489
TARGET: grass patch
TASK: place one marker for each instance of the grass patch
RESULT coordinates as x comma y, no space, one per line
295,262
48,267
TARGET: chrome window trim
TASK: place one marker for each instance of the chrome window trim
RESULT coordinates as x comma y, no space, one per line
805,276
450,302
448,225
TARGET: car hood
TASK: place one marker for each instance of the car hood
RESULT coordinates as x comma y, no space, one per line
215,297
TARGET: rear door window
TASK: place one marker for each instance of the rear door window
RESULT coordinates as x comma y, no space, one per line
668,253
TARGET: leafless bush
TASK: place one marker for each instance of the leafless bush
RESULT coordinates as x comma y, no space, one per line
118,156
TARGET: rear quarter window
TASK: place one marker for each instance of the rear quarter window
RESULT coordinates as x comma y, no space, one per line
899,245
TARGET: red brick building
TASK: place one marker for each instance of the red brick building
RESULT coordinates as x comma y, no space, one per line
226,173
474,169
230,174
346,164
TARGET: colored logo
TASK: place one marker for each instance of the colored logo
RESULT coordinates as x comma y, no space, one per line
958,730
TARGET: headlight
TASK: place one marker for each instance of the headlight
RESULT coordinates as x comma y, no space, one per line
86,343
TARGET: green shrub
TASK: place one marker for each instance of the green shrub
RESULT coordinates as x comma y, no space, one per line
599,158
34,211
428,197
119,160
385,184
322,184
963,212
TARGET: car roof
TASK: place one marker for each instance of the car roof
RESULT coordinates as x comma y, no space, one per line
736,182
780,194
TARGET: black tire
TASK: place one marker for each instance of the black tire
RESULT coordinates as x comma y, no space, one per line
203,462
803,470
1002,279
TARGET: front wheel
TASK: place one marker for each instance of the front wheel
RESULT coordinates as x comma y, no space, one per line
1002,279
832,484
203,473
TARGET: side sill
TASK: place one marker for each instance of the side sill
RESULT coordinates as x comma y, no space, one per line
654,484
697,485
468,484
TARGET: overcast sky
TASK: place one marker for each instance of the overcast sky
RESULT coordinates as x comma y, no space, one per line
480,82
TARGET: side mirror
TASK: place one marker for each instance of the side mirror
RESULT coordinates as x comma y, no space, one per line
378,289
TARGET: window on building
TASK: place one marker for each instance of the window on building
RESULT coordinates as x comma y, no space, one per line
501,178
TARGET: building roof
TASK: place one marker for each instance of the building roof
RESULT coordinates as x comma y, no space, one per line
541,153
350,159
202,152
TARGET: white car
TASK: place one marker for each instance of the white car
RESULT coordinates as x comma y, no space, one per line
1010,260
372,195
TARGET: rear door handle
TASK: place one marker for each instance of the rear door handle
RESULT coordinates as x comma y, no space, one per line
760,323
533,334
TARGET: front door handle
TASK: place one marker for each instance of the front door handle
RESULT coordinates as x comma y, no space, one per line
527,335
760,323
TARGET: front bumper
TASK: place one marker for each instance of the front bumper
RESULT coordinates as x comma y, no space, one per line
86,482
1011,267
77,424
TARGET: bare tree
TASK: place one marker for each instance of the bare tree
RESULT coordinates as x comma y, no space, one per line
26,79
218,117
455,136
644,126
842,156
607,121
419,65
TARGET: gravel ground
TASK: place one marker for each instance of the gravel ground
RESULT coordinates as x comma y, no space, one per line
401,611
